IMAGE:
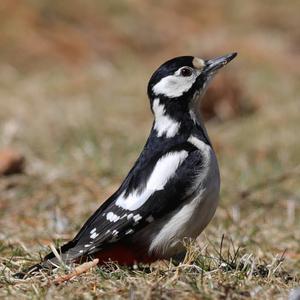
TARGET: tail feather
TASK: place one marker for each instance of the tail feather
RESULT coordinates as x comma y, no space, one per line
31,271
67,255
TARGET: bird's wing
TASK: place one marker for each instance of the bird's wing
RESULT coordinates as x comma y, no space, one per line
169,183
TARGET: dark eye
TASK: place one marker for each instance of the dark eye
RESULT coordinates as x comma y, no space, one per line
186,72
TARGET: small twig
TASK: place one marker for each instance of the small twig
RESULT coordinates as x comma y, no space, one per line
77,271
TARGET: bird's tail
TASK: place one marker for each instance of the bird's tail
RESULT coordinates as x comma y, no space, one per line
63,256
31,271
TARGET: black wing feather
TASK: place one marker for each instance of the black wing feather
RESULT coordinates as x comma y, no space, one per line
161,202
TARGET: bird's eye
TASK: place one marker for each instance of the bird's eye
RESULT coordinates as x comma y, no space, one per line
185,72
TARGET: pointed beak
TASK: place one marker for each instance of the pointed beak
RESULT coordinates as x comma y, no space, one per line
214,64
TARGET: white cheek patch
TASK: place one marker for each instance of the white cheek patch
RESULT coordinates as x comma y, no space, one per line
174,85
163,123
163,171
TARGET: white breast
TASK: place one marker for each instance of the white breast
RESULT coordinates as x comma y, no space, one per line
190,219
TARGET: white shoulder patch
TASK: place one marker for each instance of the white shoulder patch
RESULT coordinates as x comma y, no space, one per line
174,85
163,171
163,123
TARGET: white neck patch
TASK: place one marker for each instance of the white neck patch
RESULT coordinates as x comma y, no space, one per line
174,85
163,123
199,144
163,171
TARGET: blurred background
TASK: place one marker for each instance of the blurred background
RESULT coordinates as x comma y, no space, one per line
74,114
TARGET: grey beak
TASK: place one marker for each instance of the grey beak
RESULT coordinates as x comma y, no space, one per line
216,63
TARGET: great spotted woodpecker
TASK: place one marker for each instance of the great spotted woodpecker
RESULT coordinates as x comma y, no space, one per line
172,191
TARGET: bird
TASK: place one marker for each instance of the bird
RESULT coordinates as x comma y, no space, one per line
172,191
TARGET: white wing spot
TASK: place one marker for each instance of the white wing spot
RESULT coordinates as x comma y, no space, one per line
163,171
137,217
129,231
163,123
129,216
93,230
94,235
112,217
87,245
115,232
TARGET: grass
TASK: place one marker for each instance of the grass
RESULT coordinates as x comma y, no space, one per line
219,271
81,127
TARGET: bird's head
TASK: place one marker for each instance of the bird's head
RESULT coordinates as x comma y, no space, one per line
182,80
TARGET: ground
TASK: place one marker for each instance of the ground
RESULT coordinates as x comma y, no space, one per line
81,119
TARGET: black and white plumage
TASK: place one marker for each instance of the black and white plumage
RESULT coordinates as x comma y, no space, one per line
173,188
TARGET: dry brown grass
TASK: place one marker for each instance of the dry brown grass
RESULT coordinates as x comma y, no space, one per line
76,108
